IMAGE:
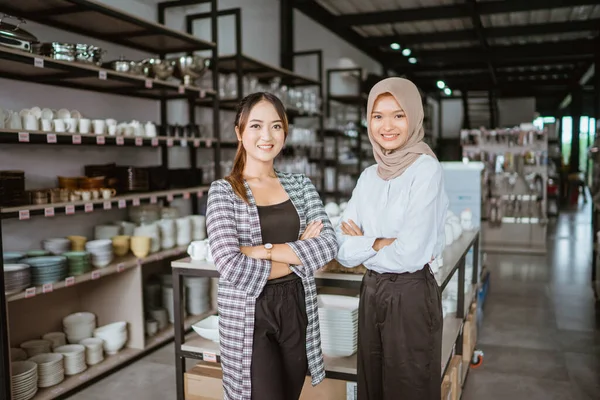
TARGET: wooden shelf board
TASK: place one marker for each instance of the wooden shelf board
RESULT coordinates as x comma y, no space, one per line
452,327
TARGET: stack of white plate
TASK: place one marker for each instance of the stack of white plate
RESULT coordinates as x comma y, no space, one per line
56,338
17,354
17,277
24,379
198,295
93,350
167,297
74,358
101,251
114,336
35,347
79,326
56,246
338,317
51,370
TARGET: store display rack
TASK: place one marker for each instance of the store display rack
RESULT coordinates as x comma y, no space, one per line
343,368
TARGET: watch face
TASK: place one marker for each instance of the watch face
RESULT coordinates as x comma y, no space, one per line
268,246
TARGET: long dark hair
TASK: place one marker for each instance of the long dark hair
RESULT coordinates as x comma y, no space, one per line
236,176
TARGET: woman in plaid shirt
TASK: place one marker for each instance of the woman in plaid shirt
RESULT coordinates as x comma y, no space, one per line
268,233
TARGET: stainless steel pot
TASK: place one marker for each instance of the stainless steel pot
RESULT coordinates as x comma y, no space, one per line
73,52
157,68
190,68
126,66
15,37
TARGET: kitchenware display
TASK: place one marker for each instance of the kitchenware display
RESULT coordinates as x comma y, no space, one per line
47,269
14,36
56,339
12,188
198,227
198,295
146,214
152,231
114,336
101,252
58,195
38,196
24,379
51,370
12,257
35,347
91,183
74,358
120,245
56,246
158,68
338,318
132,179
94,352
77,242
79,262
190,68
208,328
168,233
151,327
17,277
161,316
140,246
79,326
184,231
72,52
198,250
126,66
105,232
17,354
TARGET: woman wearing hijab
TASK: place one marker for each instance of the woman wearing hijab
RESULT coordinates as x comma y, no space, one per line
394,226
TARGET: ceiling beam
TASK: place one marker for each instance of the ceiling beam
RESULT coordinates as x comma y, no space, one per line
455,69
453,11
476,19
490,33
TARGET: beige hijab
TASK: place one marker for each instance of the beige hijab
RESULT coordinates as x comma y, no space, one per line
392,163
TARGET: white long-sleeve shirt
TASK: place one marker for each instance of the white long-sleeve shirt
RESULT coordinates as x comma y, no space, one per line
411,208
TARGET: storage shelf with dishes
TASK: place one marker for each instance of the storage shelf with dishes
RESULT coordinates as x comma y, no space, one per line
20,65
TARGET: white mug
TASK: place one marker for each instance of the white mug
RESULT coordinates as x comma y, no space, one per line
71,125
99,126
150,129
86,196
111,122
198,250
46,125
59,125
112,130
14,121
199,225
84,125
30,122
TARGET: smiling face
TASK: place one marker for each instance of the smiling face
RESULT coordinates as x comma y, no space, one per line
388,123
263,135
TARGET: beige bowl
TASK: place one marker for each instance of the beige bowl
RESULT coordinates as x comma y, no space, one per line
140,245
120,245
77,242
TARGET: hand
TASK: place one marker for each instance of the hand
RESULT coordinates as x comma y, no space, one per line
312,230
381,243
351,229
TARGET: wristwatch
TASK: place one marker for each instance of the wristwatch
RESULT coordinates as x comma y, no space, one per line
268,247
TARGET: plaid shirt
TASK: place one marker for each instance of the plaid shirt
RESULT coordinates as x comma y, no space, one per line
232,223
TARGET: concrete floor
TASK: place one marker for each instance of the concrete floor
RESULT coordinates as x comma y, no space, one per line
540,335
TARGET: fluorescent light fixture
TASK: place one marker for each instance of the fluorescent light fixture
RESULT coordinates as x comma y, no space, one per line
448,91
441,84
395,46
406,52
412,60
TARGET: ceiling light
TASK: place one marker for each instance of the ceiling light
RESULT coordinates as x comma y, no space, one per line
412,60
395,46
406,52
441,84
447,91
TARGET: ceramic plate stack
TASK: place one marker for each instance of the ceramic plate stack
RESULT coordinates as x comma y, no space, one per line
79,326
51,370
101,251
56,338
48,269
79,262
198,299
12,257
338,317
114,336
74,358
56,246
17,277
93,350
35,347
24,380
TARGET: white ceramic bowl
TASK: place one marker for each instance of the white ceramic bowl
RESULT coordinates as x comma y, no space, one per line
120,326
80,318
98,244
208,328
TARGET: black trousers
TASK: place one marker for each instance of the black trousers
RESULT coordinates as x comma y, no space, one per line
399,337
279,363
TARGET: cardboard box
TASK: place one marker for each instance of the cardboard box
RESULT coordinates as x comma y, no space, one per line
446,388
204,382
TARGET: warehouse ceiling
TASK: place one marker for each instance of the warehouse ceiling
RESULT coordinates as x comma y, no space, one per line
511,47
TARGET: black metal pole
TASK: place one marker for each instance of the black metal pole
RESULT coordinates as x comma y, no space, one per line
286,32
238,54
576,112
216,111
193,152
475,278
466,116
179,330
5,381
460,306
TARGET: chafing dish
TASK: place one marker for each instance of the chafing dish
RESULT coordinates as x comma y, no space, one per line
15,37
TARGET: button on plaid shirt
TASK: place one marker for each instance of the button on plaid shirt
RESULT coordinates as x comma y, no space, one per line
232,223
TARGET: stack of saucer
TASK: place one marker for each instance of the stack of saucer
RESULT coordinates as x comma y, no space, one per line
35,347
93,350
79,262
51,370
74,358
24,379
56,338
79,326
17,277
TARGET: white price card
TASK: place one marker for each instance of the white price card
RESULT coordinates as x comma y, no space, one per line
120,140
23,137
170,197
38,62
102,75
139,141
96,274
136,201
196,143
49,212
209,357
122,203
181,89
186,195
208,143
183,143
76,139
47,288
154,142
70,209
23,215
89,207
153,200
100,140
120,267
51,138
70,281
148,84
170,142
107,205
30,292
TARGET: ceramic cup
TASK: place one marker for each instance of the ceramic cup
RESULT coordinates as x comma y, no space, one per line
59,125
140,246
77,242
151,327
198,250
46,125
30,122
107,193
85,125
14,121
99,126
106,231
120,245
198,227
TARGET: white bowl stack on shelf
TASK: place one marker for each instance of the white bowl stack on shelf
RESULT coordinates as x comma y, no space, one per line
198,295
208,328
35,347
24,379
184,231
56,338
168,233
79,326
114,336
51,370
74,358
56,246
101,252
338,317
94,352
198,227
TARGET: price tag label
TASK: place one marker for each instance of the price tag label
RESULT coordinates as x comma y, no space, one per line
89,207
76,139
199,194
49,212
136,201
51,138
139,141
95,274
23,137
202,93
154,142
70,281
100,140
23,215
186,195
102,75
120,140
107,205
30,292
47,288
170,142
196,143
120,267
70,209
209,357
169,197
153,200
148,84
122,203
181,89
208,143
38,62
183,143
